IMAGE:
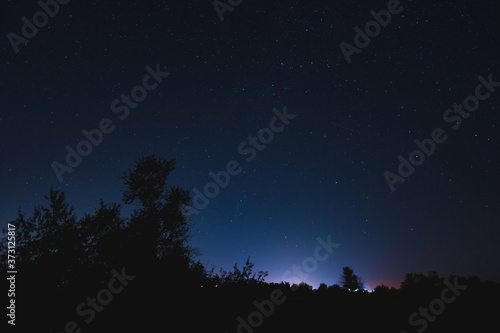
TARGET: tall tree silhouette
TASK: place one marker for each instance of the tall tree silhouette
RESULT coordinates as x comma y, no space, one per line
159,227
51,239
349,280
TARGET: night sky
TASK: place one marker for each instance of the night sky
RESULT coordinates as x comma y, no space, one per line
214,96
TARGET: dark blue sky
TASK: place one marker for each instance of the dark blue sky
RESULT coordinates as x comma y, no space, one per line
322,175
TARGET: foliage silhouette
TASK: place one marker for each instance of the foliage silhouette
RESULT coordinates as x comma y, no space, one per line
65,259
237,278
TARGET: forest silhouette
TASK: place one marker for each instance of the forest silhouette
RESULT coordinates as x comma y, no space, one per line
104,272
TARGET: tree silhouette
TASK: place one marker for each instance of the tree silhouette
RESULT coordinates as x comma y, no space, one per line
104,236
349,280
159,225
54,241
322,288
422,281
51,239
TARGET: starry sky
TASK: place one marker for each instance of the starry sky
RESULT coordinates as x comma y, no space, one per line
225,74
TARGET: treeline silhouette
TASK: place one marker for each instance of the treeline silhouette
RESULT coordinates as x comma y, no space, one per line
104,272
